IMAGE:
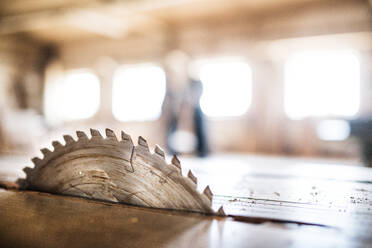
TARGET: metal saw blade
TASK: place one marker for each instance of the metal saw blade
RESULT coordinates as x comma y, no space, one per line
108,169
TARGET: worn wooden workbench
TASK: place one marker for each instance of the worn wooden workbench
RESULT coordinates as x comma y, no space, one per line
272,202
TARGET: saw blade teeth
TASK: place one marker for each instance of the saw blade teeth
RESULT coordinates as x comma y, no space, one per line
56,144
27,170
142,142
102,153
68,139
95,133
126,137
36,161
110,134
159,151
176,162
192,177
208,193
221,212
81,135
45,151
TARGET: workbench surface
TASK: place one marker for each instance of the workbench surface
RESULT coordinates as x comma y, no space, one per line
270,202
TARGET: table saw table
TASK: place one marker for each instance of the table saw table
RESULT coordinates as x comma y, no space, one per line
269,202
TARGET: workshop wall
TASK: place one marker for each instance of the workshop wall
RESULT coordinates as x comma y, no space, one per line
265,39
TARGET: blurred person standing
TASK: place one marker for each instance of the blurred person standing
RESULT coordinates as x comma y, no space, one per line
186,131
195,93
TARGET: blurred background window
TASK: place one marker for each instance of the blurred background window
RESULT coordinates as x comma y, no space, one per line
322,84
227,88
138,92
333,130
72,95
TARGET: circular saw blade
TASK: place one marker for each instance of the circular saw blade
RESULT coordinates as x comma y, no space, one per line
105,168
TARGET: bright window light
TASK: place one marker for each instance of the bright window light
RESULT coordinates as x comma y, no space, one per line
72,96
138,93
322,84
227,88
333,130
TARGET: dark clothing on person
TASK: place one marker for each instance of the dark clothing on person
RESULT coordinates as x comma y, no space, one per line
193,93
200,132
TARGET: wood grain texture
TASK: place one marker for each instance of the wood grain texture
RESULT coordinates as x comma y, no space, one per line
34,219
289,190
296,203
